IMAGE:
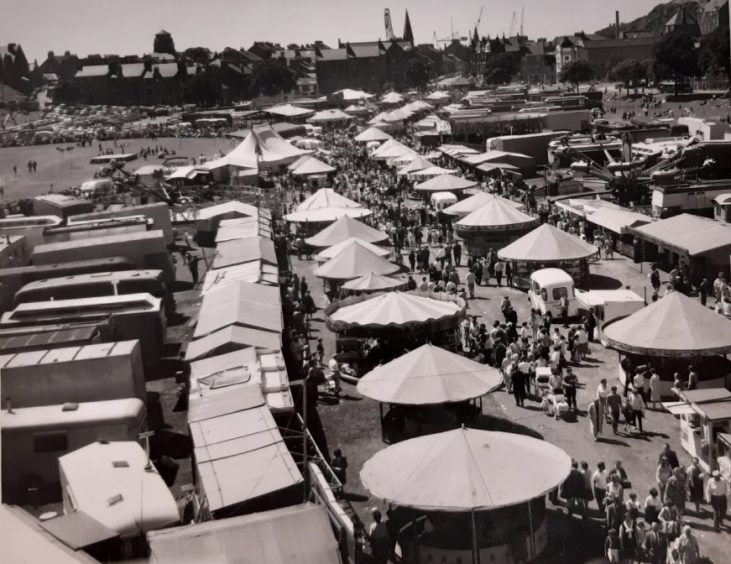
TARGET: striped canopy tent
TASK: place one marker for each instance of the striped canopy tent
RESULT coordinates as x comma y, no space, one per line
674,326
355,261
475,202
344,228
429,375
445,183
338,248
374,283
372,134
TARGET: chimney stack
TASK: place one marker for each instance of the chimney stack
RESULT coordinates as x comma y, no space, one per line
616,23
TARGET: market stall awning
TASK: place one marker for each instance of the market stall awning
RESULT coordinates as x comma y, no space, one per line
434,171
618,221
475,202
465,469
344,228
231,338
374,283
312,166
288,110
335,250
239,251
691,233
416,164
547,244
674,326
330,116
395,310
353,261
372,134
256,271
496,215
445,183
429,375
391,149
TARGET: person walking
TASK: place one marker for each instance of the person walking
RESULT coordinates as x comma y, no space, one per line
379,539
638,407
653,505
599,484
508,273
457,252
614,404
499,272
662,475
688,548
570,382
612,546
717,491
695,483
655,393
675,489
595,413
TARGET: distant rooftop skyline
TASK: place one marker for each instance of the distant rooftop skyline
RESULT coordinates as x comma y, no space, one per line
125,28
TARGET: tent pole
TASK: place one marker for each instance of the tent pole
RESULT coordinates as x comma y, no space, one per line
380,413
475,549
530,525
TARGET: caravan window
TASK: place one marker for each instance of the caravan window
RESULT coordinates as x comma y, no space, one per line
50,442
560,292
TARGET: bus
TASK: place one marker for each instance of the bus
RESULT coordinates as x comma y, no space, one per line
115,283
33,438
566,102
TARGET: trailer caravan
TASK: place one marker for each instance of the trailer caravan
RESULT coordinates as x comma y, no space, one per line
101,228
12,279
132,316
103,371
98,284
23,339
158,212
33,438
146,250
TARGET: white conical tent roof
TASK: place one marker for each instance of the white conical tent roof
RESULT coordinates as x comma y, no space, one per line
327,198
429,375
372,134
391,149
496,215
445,183
345,228
675,325
396,309
374,283
434,171
354,261
416,164
262,145
356,109
437,96
468,205
465,469
392,98
325,215
325,116
288,110
312,166
348,94
546,244
335,250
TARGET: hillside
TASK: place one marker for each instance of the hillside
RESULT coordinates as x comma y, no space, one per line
655,20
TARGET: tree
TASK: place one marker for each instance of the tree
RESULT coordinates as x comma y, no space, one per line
199,91
628,72
676,58
713,55
417,72
500,68
272,77
576,73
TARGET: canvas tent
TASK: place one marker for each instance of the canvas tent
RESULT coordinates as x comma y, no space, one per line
475,202
354,261
374,283
445,183
312,167
344,228
496,215
289,111
372,134
391,149
326,117
547,244
338,248
326,198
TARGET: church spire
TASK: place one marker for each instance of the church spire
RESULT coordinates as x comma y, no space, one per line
408,33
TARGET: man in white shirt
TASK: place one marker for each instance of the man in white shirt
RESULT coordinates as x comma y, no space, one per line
717,494
599,484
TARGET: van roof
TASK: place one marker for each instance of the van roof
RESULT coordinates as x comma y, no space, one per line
51,416
142,236
91,277
546,276
68,354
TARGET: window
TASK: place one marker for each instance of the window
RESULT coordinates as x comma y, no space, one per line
559,293
50,442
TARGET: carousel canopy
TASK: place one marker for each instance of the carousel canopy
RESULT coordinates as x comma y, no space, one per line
374,283
434,171
496,215
465,469
312,166
445,183
335,250
325,215
675,325
396,310
475,202
328,116
429,375
546,244
354,261
416,164
326,198
391,149
372,134
345,228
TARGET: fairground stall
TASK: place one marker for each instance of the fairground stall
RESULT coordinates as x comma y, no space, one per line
670,335
493,226
548,247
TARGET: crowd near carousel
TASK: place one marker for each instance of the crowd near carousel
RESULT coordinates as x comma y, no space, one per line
430,290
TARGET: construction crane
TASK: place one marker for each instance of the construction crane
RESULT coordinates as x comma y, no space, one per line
390,36
479,18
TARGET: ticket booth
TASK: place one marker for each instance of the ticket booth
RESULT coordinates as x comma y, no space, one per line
705,419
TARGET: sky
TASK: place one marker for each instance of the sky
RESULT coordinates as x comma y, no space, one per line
127,27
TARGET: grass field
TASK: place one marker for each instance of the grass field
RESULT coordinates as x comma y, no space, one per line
64,169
